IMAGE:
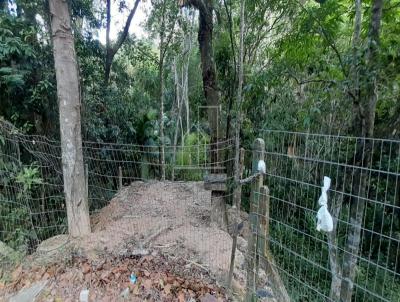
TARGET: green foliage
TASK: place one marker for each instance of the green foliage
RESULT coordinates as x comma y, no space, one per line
192,154
28,177
298,58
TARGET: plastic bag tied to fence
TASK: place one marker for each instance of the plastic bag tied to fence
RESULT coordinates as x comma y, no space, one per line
324,218
261,167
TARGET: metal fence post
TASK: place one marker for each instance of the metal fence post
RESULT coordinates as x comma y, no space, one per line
252,257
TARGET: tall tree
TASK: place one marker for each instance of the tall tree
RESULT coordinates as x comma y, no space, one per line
237,168
68,92
363,125
163,18
162,88
111,50
355,97
210,86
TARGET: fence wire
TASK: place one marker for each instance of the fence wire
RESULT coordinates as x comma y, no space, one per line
360,259
32,204
361,256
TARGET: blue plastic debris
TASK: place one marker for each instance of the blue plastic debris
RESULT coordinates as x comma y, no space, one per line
133,278
263,293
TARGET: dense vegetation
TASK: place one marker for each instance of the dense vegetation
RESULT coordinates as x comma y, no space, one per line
308,66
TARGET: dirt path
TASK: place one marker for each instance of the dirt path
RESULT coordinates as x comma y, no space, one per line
170,216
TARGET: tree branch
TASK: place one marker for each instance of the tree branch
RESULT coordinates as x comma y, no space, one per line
112,50
125,31
199,4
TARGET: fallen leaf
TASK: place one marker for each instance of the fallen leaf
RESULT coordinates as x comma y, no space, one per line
86,268
181,297
167,289
16,273
146,273
135,290
147,283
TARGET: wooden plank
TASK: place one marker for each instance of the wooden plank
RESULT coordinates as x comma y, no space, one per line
215,182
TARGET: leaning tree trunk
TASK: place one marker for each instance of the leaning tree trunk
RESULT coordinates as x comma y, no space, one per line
365,123
68,93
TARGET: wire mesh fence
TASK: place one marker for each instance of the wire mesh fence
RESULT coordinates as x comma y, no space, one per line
32,204
359,259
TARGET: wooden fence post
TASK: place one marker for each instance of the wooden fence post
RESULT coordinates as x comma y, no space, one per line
263,250
87,183
263,226
120,177
252,256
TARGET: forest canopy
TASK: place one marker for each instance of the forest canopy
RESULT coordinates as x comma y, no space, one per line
299,62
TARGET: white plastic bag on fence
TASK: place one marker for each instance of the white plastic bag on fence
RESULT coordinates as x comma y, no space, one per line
324,218
261,167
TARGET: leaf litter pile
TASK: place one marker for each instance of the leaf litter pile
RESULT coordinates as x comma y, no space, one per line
159,232
158,278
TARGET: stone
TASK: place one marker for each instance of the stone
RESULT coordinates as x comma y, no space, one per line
125,293
29,294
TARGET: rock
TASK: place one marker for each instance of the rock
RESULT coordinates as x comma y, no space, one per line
238,289
208,298
241,244
29,294
263,293
55,249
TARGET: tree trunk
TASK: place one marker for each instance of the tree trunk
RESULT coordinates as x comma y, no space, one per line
185,71
210,88
162,84
209,74
178,113
239,154
336,205
239,90
364,127
70,120
162,87
109,55
336,271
